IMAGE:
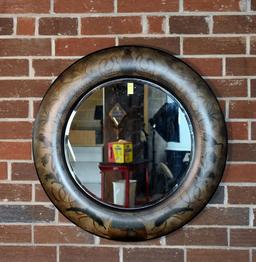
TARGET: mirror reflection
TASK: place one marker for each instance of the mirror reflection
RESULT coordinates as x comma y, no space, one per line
129,143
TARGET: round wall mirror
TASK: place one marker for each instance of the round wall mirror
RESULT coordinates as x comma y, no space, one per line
129,143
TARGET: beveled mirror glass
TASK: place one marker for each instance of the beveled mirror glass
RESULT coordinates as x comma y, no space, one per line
128,143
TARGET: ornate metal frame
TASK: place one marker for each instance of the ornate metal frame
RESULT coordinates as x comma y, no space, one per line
205,170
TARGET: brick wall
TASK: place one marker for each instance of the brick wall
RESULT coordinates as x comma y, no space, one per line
39,38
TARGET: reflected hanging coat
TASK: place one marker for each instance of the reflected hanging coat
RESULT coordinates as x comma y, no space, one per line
166,121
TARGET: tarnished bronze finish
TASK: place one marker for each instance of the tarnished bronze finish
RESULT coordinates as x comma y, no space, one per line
209,154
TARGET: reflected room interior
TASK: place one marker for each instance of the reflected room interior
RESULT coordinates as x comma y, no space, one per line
129,143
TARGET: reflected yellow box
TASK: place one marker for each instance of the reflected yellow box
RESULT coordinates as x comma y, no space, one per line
120,151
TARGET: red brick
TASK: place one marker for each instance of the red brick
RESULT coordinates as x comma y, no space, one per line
234,24
40,194
36,106
23,171
214,45
6,26
58,26
206,66
253,87
218,196
240,173
111,25
15,234
198,236
25,47
50,67
25,26
156,24
253,45
222,104
241,66
81,46
147,6
3,170
15,150
23,88
217,255
241,195
237,130
25,6
253,5
170,44
188,25
12,130
15,192
242,109
92,254
13,109
84,6
242,152
228,87
253,130
214,5
243,237
26,214
63,219
152,254
61,234
222,216
28,253
13,67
